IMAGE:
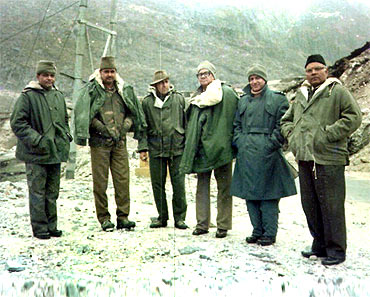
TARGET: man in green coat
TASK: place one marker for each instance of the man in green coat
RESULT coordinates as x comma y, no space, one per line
208,147
317,126
40,122
106,109
164,137
262,175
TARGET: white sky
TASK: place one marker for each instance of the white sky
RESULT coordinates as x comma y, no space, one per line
292,6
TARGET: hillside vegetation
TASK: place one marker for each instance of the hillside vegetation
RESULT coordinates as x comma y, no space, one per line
166,34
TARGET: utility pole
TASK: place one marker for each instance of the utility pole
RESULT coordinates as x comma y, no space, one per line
77,83
82,43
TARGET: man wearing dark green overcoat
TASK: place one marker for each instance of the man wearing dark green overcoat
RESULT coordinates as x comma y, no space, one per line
208,147
261,175
40,122
164,138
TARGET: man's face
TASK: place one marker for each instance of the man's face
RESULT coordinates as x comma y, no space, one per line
316,73
163,86
205,77
46,80
257,83
108,75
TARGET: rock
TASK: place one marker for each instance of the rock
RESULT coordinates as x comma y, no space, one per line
189,250
14,266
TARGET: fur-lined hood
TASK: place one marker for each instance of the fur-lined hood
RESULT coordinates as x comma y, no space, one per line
35,85
158,102
96,75
331,81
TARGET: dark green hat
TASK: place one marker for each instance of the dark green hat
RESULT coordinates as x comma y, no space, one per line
258,70
44,66
107,63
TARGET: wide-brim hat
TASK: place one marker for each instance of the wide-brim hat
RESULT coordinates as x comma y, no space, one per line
158,76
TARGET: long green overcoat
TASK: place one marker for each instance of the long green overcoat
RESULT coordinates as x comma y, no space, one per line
40,122
261,171
209,134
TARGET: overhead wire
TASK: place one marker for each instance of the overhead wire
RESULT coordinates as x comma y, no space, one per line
32,25
38,33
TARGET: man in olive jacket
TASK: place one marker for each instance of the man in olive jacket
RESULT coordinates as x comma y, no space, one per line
208,147
164,110
40,122
317,126
262,175
106,109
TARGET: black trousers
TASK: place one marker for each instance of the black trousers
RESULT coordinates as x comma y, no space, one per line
43,186
323,195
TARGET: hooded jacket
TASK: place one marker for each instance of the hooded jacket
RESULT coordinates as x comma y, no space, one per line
165,132
91,98
40,122
318,130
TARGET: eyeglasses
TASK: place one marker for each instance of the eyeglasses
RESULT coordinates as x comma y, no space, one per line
317,69
203,74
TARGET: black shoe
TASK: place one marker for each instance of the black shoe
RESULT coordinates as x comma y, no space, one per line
265,241
125,224
181,225
198,231
221,233
56,233
332,261
252,239
308,254
44,235
157,223
107,226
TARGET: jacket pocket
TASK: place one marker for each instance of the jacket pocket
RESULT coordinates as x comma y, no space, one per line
43,147
320,141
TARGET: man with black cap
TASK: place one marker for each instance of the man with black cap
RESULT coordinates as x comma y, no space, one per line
208,147
106,109
164,138
262,175
317,126
40,122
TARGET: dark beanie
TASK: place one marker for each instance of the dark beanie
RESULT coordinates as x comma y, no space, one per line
315,58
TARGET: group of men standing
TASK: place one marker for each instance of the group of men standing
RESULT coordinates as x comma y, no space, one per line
200,135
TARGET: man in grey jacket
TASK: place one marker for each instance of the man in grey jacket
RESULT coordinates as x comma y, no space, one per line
317,125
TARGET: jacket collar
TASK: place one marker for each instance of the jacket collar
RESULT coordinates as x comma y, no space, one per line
247,90
306,86
157,101
35,85
96,75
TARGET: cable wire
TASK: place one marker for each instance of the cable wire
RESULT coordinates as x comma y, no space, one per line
30,26
38,33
